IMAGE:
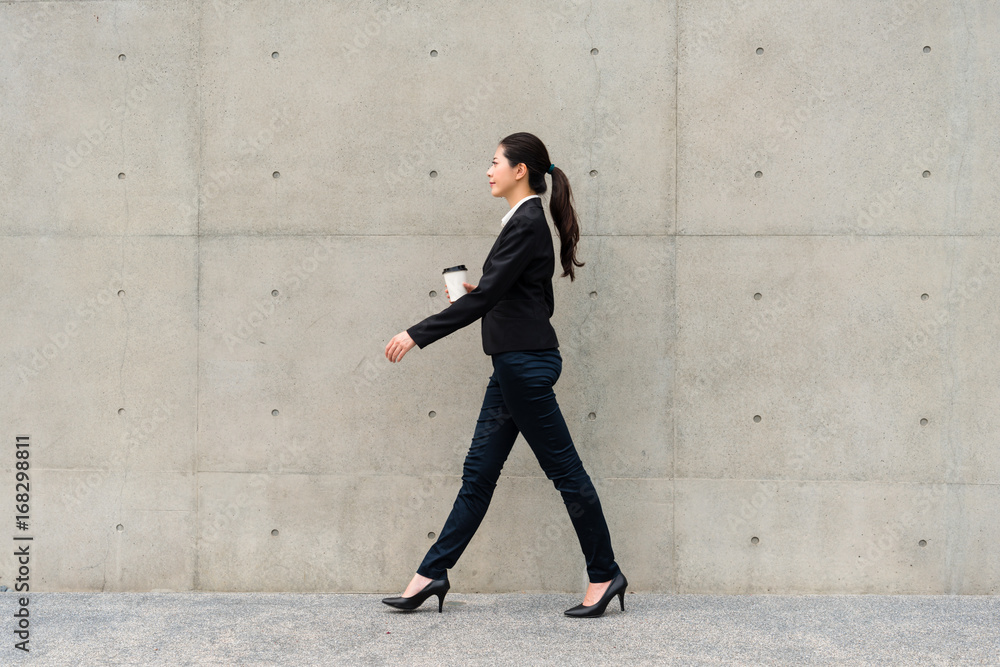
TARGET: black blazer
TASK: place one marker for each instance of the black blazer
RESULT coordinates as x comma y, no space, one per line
514,296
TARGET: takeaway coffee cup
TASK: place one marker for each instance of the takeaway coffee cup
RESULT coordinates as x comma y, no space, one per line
453,278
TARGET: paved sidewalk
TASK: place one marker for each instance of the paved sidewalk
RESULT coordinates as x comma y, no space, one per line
502,629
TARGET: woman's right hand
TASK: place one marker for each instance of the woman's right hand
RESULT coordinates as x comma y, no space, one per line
467,286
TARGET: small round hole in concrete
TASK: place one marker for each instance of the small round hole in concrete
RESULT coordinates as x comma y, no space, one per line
121,175
923,422
591,416
593,295
276,174
274,54
760,51
121,292
593,172
274,533
430,535
927,174
593,52
433,293
756,418
119,528
925,296
274,413
927,49
756,296
754,540
121,56
121,411
922,543
758,174
434,174
432,414
274,292
434,53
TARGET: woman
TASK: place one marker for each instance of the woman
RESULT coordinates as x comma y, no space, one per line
514,299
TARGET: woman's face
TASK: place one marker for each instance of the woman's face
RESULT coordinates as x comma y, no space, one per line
503,177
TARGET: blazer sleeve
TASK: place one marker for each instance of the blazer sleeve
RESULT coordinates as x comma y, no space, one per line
508,262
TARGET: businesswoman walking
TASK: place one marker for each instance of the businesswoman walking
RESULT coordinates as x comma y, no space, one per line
515,301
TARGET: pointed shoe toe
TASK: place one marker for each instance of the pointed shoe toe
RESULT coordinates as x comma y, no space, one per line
616,587
438,587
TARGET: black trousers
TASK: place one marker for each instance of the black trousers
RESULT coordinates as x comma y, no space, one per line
520,399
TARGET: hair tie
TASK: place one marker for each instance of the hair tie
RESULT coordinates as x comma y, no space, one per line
551,167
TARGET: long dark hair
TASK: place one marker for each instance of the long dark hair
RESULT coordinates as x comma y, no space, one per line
529,149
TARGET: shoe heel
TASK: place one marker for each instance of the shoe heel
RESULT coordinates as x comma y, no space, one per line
621,598
436,587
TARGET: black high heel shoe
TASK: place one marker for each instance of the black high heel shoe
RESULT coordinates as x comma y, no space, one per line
616,587
438,587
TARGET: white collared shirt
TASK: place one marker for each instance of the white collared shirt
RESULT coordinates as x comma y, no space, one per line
513,208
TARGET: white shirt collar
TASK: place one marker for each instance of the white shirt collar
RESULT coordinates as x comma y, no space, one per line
514,208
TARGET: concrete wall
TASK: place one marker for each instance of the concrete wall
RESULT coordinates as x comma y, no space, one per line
778,359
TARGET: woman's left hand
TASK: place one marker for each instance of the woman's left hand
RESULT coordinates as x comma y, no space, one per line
400,344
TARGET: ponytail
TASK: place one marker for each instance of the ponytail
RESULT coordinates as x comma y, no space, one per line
529,149
564,215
